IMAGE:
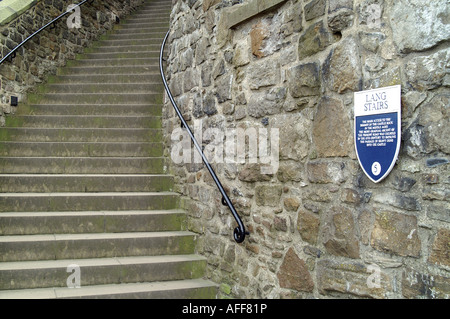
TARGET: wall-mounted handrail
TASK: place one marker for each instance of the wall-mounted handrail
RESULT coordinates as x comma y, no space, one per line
239,232
12,54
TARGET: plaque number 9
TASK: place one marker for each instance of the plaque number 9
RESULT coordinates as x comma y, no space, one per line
376,168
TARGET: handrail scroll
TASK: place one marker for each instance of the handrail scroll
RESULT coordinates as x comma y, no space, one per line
239,232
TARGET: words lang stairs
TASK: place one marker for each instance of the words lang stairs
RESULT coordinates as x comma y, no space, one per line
86,207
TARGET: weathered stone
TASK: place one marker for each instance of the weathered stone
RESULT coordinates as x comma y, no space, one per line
439,211
266,103
294,137
391,77
263,73
190,79
252,173
426,73
257,35
280,223
201,51
326,172
415,140
403,184
314,9
339,233
396,233
418,25
440,251
351,196
352,278
289,171
294,274
303,80
209,104
398,200
434,116
331,129
223,88
341,20
371,40
241,55
365,223
334,5
342,69
291,204
316,38
308,226
268,195
423,285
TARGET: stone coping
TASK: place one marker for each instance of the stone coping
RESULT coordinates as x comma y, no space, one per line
11,9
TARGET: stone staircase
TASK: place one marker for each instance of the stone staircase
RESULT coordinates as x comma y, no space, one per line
82,180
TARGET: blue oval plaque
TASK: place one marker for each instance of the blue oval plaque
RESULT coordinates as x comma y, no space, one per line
377,130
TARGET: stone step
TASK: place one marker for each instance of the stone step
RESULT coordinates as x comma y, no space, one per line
137,36
121,31
80,149
145,25
151,50
84,121
97,70
82,165
97,245
100,98
152,42
35,223
93,109
64,202
51,183
124,61
122,52
177,289
100,271
104,88
110,78
81,134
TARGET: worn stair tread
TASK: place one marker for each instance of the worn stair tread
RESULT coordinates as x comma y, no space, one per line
93,213
63,263
120,290
92,236
75,194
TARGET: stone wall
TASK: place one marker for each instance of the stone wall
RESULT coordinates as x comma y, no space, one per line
52,48
318,226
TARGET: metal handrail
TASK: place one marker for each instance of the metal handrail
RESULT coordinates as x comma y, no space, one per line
12,54
239,232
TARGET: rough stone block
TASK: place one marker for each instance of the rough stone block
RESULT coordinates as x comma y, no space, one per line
342,69
339,233
418,25
294,274
423,285
396,233
352,278
316,38
308,226
304,80
268,195
440,251
331,129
